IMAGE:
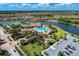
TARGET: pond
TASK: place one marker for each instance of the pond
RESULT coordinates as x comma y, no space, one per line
9,22
66,27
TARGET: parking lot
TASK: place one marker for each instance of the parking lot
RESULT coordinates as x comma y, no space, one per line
69,47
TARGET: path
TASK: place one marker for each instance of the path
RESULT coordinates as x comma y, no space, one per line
7,46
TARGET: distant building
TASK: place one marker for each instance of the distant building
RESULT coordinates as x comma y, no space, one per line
38,24
30,27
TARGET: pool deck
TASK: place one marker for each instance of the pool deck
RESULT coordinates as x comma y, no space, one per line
43,29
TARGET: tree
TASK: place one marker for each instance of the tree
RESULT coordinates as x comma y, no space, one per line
60,53
1,42
4,53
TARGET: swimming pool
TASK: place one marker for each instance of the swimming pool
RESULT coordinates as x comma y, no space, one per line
41,29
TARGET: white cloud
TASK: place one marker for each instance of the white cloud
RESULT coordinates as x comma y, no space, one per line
19,5
25,4
42,5
63,5
30,5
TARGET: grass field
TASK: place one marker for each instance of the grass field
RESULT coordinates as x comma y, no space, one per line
32,49
53,20
16,23
59,34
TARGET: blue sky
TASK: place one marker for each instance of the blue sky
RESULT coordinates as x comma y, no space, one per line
39,6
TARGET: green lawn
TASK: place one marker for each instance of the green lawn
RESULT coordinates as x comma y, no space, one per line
53,20
59,34
2,20
16,23
33,49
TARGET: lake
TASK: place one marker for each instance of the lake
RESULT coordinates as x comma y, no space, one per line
66,27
